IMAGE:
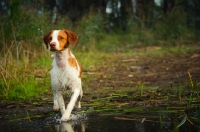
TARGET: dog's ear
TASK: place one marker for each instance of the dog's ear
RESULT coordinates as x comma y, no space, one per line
71,37
46,38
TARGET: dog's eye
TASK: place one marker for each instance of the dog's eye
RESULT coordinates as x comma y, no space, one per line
50,38
60,37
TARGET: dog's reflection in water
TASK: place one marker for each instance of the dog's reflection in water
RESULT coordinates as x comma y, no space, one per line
70,127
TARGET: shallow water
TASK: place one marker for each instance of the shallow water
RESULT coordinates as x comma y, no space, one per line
141,121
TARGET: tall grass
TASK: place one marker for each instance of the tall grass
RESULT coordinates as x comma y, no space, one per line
25,63
21,73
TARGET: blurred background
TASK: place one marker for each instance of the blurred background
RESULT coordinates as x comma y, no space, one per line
102,26
131,22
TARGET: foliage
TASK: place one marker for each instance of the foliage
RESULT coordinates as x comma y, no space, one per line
174,27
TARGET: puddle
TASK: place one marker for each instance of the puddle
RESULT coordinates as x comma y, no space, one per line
146,119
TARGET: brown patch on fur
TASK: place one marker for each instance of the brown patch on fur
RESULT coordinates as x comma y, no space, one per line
71,37
65,37
81,68
47,38
72,62
62,39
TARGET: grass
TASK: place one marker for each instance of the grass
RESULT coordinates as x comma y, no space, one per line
21,78
17,84
28,77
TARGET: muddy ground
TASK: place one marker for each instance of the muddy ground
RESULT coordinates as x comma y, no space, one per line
148,80
135,80
150,70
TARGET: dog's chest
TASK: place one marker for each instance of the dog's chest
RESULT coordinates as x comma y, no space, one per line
62,73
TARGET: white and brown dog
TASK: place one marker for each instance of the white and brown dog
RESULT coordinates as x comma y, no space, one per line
65,72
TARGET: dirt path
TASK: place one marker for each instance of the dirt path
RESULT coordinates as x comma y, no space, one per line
151,70
148,80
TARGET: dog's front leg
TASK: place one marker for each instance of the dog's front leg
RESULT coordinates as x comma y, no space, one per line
61,102
55,101
78,102
71,105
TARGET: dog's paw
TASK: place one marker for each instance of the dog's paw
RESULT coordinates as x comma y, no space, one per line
64,119
56,108
78,105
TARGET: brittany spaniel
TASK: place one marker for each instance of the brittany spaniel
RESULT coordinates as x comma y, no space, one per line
65,72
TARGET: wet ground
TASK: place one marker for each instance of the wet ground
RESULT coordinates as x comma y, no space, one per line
151,120
126,93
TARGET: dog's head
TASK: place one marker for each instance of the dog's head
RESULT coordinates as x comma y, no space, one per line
58,40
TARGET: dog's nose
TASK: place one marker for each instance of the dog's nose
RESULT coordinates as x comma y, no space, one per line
53,44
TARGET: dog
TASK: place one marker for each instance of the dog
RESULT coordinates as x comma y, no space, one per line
66,71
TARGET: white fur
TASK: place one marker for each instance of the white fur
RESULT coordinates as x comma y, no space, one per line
55,38
63,76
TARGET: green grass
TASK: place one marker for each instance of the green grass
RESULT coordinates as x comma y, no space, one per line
29,78
20,84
